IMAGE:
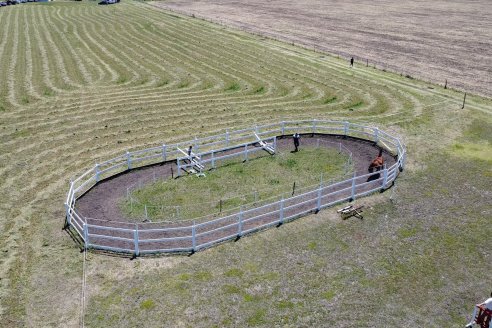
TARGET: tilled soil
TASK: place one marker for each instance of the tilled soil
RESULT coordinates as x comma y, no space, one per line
431,40
99,206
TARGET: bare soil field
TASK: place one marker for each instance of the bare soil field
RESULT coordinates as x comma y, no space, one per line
431,40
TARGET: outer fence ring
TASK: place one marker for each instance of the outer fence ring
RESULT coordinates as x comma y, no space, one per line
137,239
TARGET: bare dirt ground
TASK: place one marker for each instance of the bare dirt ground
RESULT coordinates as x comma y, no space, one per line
431,40
102,201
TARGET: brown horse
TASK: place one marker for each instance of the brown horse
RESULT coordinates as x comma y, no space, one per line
377,163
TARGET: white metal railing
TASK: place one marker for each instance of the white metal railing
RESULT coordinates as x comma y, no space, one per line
145,238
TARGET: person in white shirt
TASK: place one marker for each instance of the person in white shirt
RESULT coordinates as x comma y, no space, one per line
488,305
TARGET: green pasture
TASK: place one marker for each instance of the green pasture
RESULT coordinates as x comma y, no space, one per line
237,183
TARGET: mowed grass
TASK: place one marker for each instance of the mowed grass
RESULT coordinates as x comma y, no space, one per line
236,183
81,83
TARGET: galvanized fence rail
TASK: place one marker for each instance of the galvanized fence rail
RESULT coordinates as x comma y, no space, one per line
161,237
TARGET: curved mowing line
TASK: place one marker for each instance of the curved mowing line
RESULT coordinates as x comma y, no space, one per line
123,237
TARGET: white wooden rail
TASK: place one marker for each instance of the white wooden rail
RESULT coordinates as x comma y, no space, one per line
143,238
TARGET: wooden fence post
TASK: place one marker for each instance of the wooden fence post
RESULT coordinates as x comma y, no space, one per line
345,128
129,160
227,138
245,152
213,160
376,135
314,126
135,240
275,144
320,189
464,99
164,152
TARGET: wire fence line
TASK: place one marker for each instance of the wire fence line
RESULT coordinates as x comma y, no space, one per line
148,212
191,236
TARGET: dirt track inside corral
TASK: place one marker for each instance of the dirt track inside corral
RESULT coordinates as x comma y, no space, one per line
101,202
431,40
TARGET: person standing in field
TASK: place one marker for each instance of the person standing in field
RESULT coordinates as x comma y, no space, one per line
189,151
485,315
352,62
296,137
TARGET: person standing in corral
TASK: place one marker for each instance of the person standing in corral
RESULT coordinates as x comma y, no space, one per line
296,137
352,62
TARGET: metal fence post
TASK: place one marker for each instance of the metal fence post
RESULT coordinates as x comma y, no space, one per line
164,152
345,128
86,236
246,152
135,240
283,128
376,135
193,237
281,212
129,160
385,178
196,145
240,223
227,138
352,197
67,210
213,160
275,144
320,189
96,169
314,126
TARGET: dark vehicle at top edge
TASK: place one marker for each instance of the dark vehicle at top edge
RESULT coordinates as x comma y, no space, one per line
108,2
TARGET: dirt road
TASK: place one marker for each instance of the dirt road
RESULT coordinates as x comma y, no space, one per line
431,40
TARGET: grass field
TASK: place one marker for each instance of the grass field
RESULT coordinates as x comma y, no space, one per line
259,180
81,83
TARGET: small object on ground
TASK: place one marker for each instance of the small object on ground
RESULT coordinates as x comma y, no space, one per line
350,211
